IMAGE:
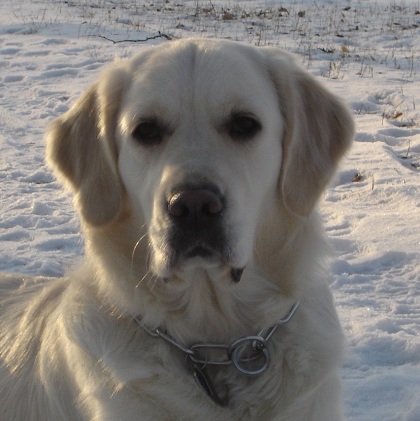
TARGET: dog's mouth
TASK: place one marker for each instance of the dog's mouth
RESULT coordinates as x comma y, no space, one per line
196,257
202,256
200,251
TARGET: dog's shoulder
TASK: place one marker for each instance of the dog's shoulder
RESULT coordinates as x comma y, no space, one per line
29,319
25,302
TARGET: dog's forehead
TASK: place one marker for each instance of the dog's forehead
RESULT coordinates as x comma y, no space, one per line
218,76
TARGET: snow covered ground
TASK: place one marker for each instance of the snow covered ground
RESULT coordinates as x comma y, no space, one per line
366,51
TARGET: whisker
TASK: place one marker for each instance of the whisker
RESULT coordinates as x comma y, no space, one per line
149,276
143,279
135,248
153,281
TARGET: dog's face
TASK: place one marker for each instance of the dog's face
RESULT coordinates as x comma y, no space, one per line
199,156
205,141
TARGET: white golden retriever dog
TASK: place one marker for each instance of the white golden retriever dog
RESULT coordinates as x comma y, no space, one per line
196,167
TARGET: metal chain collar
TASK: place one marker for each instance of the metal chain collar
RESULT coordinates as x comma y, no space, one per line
249,354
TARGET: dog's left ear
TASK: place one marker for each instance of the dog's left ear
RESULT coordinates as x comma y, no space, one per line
81,148
318,130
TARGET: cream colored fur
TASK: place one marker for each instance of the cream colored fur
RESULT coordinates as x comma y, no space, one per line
69,348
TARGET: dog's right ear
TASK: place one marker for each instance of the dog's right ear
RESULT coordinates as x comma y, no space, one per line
82,151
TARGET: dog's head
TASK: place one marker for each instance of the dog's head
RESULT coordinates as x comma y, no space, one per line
206,145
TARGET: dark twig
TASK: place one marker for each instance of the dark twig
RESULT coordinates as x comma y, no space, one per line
160,35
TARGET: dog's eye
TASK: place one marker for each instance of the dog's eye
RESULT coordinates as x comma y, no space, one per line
148,133
243,127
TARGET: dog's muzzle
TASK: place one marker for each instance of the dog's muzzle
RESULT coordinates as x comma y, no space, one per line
196,232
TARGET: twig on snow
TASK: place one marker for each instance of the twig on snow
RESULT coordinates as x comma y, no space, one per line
160,35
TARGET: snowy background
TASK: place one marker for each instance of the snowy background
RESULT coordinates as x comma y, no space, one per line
366,51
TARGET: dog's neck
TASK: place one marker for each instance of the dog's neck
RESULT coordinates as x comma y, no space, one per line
216,310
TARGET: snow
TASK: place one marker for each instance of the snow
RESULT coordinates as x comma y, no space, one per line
366,51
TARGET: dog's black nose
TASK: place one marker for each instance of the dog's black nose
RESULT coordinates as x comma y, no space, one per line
196,226
198,207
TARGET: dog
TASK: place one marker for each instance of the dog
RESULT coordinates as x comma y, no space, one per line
196,167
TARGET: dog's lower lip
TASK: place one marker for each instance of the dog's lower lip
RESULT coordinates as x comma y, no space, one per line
199,251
